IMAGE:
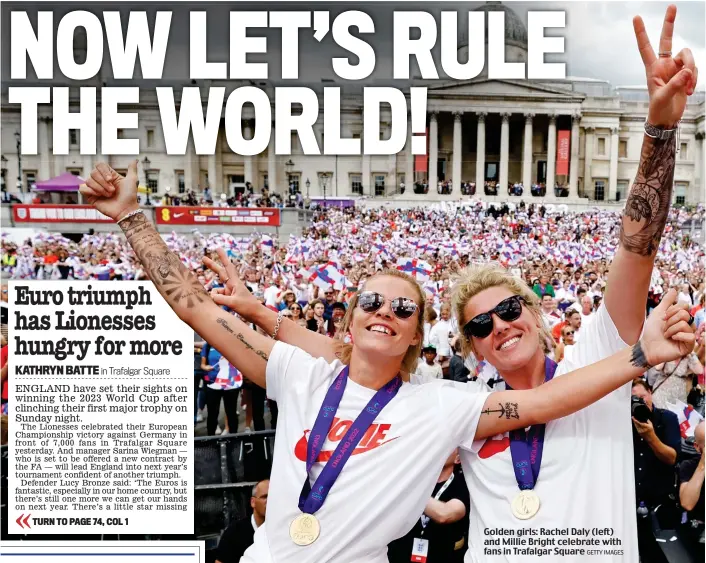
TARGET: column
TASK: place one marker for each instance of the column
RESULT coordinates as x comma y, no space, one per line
433,152
272,166
613,170
191,167
551,154
587,178
480,152
409,163
527,155
366,177
44,154
458,153
504,152
574,163
697,184
248,168
213,182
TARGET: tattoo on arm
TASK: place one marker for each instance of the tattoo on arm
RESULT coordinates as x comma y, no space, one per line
173,280
508,410
250,347
648,204
638,358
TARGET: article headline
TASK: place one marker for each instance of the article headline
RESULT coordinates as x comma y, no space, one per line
294,109
63,348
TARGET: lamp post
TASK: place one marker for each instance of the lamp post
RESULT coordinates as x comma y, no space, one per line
323,182
308,183
167,197
3,173
145,166
401,187
18,138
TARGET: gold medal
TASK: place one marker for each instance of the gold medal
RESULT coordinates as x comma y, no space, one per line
304,529
525,505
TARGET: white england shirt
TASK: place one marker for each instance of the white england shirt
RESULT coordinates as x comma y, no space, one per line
388,480
586,479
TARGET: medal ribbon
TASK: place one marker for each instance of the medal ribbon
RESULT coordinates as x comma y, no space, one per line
311,498
526,447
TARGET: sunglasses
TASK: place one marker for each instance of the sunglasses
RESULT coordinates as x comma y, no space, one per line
571,333
402,307
481,326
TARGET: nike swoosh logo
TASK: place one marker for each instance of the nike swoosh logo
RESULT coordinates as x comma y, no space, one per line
325,455
177,215
492,447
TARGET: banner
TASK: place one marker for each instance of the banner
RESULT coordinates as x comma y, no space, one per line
562,152
257,216
43,213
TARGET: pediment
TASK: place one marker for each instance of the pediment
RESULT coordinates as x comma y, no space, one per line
501,88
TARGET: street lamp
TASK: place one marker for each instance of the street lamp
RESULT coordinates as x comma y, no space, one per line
323,182
18,138
145,166
308,183
401,187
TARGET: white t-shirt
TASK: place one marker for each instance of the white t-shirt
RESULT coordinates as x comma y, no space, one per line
426,370
385,484
270,295
439,338
586,478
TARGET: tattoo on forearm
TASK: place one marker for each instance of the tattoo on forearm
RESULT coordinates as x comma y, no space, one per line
250,347
638,358
508,410
648,204
224,324
172,279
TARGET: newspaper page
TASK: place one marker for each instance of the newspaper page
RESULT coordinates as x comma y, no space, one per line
101,410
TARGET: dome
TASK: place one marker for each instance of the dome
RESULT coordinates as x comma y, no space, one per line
515,30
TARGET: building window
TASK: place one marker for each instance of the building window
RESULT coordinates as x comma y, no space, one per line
295,143
30,179
74,171
73,137
622,190
600,190
680,189
683,154
623,148
181,183
120,133
601,146
294,180
356,135
356,184
153,181
379,185
150,138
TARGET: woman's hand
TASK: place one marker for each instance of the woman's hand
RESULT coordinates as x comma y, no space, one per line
235,295
667,335
670,80
110,193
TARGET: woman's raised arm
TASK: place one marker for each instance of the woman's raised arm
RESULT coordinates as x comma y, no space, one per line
116,196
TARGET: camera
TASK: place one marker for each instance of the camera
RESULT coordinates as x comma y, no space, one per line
639,410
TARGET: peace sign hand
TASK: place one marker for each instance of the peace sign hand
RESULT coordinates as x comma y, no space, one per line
670,80
235,295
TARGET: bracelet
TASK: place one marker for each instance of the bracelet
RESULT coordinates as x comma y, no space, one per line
280,316
655,132
131,214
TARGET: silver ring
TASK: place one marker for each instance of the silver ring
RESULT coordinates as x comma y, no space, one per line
664,54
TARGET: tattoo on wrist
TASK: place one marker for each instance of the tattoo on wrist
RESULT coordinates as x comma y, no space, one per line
508,410
648,203
638,358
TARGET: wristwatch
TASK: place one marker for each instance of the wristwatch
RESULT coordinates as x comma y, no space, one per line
659,132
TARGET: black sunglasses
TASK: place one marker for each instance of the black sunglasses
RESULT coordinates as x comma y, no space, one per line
481,326
402,307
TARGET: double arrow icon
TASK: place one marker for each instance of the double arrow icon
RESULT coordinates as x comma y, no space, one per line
24,521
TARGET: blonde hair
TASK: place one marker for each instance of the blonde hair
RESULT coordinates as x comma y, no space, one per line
409,362
472,280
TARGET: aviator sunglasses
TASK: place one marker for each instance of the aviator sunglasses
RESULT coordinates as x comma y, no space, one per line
481,326
402,307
